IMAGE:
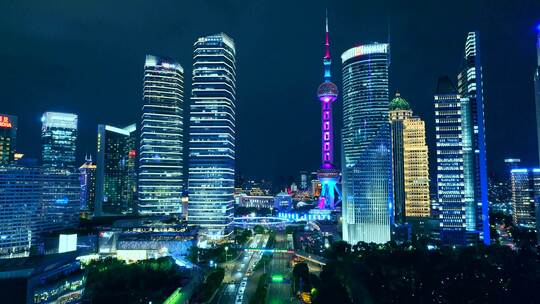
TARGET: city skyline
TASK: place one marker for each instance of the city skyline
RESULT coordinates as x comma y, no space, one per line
254,98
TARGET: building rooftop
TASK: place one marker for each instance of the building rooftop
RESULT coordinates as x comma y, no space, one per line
399,103
25,267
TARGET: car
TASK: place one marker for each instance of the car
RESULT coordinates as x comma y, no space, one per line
239,299
241,289
244,279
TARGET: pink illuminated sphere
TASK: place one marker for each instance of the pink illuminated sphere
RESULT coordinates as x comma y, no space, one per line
327,91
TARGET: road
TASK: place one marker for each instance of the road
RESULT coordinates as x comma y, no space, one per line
279,290
238,271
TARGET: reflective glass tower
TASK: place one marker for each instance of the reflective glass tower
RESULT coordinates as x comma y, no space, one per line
88,184
161,152
366,138
525,193
212,135
327,93
61,186
470,87
59,140
115,170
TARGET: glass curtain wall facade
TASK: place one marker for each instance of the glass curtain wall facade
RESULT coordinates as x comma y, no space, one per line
61,185
212,135
8,138
399,111
525,194
88,184
20,201
537,86
116,177
366,138
470,87
160,183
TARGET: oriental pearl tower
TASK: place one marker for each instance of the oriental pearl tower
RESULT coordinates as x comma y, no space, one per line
327,93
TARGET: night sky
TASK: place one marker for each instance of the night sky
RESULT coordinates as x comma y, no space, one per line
87,57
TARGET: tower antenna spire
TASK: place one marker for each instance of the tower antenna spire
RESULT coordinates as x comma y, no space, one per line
327,60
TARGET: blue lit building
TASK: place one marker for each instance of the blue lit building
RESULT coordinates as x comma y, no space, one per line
61,186
367,148
115,170
537,86
160,180
451,197
212,134
55,278
59,140
470,87
525,196
20,200
87,178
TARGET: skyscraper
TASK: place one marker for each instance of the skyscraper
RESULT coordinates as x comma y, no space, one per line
537,86
525,194
61,186
115,170
161,138
327,93
212,134
88,184
410,162
20,201
8,138
450,179
367,156
470,87
59,140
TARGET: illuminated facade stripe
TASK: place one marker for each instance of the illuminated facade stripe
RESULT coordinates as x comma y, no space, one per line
470,87
366,139
161,178
212,135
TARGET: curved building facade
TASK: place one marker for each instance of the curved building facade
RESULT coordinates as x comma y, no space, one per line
367,144
212,135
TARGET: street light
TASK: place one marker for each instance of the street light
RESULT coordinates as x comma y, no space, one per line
226,249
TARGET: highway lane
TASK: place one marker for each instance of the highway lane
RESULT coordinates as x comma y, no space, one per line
237,284
279,289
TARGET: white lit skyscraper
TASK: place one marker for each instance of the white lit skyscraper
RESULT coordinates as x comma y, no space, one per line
450,144
367,156
59,140
212,135
161,152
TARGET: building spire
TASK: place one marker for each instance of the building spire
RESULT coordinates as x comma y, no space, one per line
327,61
